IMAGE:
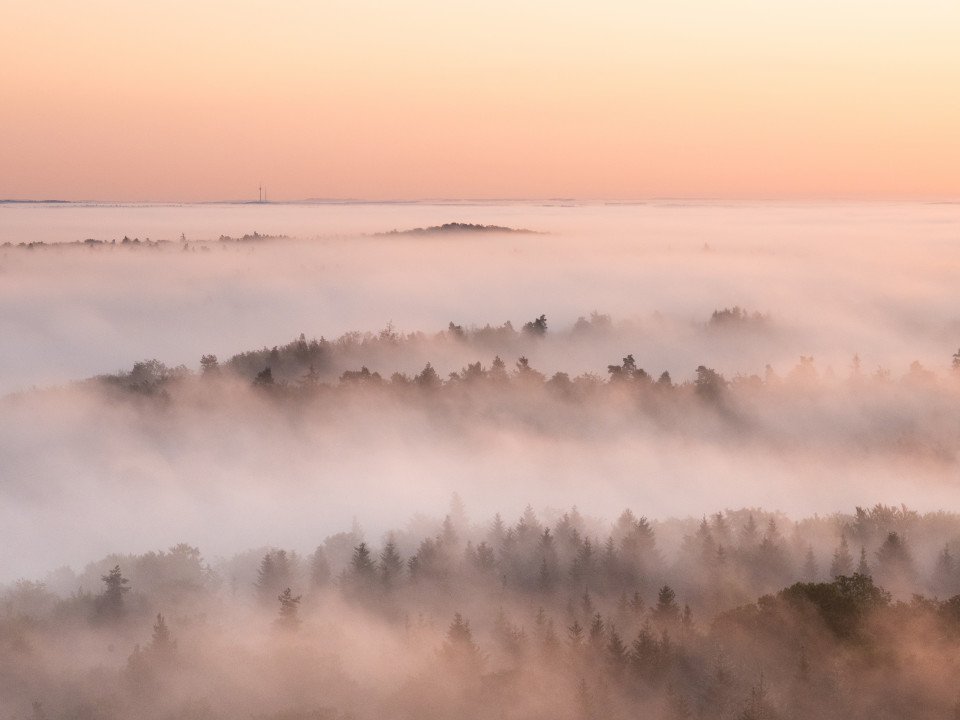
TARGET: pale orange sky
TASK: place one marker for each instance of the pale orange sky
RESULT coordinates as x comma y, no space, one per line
427,99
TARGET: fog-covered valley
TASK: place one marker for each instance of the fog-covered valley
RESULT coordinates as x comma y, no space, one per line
873,279
527,432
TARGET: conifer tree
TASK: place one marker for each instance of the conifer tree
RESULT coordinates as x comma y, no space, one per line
110,603
586,604
945,575
289,611
162,643
583,566
643,651
391,566
266,577
597,632
667,611
617,652
459,650
575,636
545,577
360,578
842,560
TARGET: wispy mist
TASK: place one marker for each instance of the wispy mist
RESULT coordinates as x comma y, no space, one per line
836,280
97,471
659,458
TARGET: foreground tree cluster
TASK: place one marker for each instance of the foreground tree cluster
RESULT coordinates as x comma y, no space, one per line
743,614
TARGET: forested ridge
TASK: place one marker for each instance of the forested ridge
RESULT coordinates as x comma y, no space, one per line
907,412
305,363
742,614
739,613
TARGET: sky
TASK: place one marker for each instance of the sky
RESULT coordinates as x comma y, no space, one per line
739,99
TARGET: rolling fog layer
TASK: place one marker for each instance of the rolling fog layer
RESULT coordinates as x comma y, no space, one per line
873,279
85,473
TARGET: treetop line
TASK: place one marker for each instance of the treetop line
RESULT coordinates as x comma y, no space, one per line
310,363
744,621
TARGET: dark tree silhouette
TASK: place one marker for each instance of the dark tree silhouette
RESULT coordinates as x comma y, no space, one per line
361,376
274,573
894,563
842,559
537,328
709,383
289,611
362,564
459,651
162,644
391,566
110,603
264,377
428,377
209,365
945,577
667,611
526,373
360,580
498,371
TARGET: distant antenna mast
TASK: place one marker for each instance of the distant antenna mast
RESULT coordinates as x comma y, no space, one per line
261,194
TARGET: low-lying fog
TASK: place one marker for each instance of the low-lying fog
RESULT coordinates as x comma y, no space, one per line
873,279
86,471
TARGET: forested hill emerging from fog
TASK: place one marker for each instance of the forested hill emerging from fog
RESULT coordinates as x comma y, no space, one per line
908,411
676,609
744,614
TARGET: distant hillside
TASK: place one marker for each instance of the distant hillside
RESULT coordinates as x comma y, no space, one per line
457,228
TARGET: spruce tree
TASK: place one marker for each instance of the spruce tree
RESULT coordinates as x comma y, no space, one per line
110,603
289,611
842,560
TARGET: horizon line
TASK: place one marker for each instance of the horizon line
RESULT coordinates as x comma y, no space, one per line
941,200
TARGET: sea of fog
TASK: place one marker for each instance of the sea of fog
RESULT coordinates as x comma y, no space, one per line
80,477
878,280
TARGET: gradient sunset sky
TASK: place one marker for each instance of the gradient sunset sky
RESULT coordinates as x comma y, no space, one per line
191,101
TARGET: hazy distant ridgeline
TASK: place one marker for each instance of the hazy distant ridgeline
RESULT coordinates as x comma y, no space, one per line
802,410
458,228
128,243
389,351
740,614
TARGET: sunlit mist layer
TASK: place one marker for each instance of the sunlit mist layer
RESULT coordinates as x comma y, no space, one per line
834,325
876,280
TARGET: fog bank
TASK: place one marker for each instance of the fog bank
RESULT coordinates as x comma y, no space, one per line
88,470
837,280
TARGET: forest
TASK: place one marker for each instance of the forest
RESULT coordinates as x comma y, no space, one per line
739,613
328,471
742,614
850,410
